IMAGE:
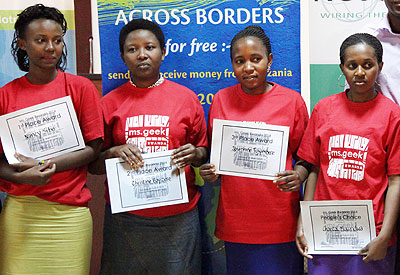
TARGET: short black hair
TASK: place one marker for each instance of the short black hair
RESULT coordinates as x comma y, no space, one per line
141,24
28,15
362,38
255,31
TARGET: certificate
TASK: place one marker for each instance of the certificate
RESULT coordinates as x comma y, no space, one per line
157,183
42,131
248,149
337,227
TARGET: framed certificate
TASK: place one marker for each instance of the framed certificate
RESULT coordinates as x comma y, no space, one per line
337,227
248,149
157,183
42,131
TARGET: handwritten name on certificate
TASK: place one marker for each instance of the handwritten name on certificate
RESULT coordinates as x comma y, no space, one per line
42,131
248,149
157,183
337,227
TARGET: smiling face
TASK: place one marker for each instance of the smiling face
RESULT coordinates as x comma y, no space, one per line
143,56
393,7
43,43
250,62
361,69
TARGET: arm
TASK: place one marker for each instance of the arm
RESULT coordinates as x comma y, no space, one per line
291,180
66,161
36,175
377,248
309,192
188,154
207,172
128,152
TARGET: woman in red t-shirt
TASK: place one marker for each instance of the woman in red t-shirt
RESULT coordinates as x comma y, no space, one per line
354,138
45,225
145,115
257,218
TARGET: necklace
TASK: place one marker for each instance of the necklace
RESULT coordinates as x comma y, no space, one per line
157,83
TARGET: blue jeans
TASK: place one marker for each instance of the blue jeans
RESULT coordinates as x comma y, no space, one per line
144,245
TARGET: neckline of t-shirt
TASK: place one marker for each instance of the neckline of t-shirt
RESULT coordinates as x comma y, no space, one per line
144,90
243,95
56,79
361,104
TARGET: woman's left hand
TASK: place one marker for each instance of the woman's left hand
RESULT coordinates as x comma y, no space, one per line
25,162
184,155
374,251
288,181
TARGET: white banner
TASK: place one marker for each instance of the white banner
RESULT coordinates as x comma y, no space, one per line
8,15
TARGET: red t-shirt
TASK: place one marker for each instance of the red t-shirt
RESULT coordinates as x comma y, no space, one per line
156,119
356,146
68,187
253,210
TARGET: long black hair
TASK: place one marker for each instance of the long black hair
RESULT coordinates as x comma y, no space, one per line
31,13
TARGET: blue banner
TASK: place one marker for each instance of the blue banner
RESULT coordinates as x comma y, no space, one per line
198,35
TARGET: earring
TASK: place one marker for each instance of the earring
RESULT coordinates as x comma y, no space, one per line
378,86
338,81
268,69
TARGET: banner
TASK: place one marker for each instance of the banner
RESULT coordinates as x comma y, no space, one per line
198,36
331,22
8,15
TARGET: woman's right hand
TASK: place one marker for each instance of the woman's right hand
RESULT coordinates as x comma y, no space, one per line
128,152
37,175
301,242
207,172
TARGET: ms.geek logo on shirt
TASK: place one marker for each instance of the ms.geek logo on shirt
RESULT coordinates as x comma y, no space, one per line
347,157
150,133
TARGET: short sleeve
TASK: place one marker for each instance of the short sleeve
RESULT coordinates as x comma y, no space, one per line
300,124
393,145
198,133
87,106
310,144
108,127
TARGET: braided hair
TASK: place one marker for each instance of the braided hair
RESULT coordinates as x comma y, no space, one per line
362,38
28,15
254,31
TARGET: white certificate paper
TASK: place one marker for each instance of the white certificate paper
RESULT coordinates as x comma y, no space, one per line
157,183
248,149
337,227
42,131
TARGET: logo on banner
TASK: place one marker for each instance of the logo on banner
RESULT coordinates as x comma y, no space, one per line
350,10
347,157
150,133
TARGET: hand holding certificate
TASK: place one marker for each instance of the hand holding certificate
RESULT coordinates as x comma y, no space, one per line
249,149
337,227
42,131
157,183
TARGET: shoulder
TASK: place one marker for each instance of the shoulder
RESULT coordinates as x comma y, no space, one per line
179,89
117,95
226,92
11,84
287,94
177,92
388,105
76,79
329,100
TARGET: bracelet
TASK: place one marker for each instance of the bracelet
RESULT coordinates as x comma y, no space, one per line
41,162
